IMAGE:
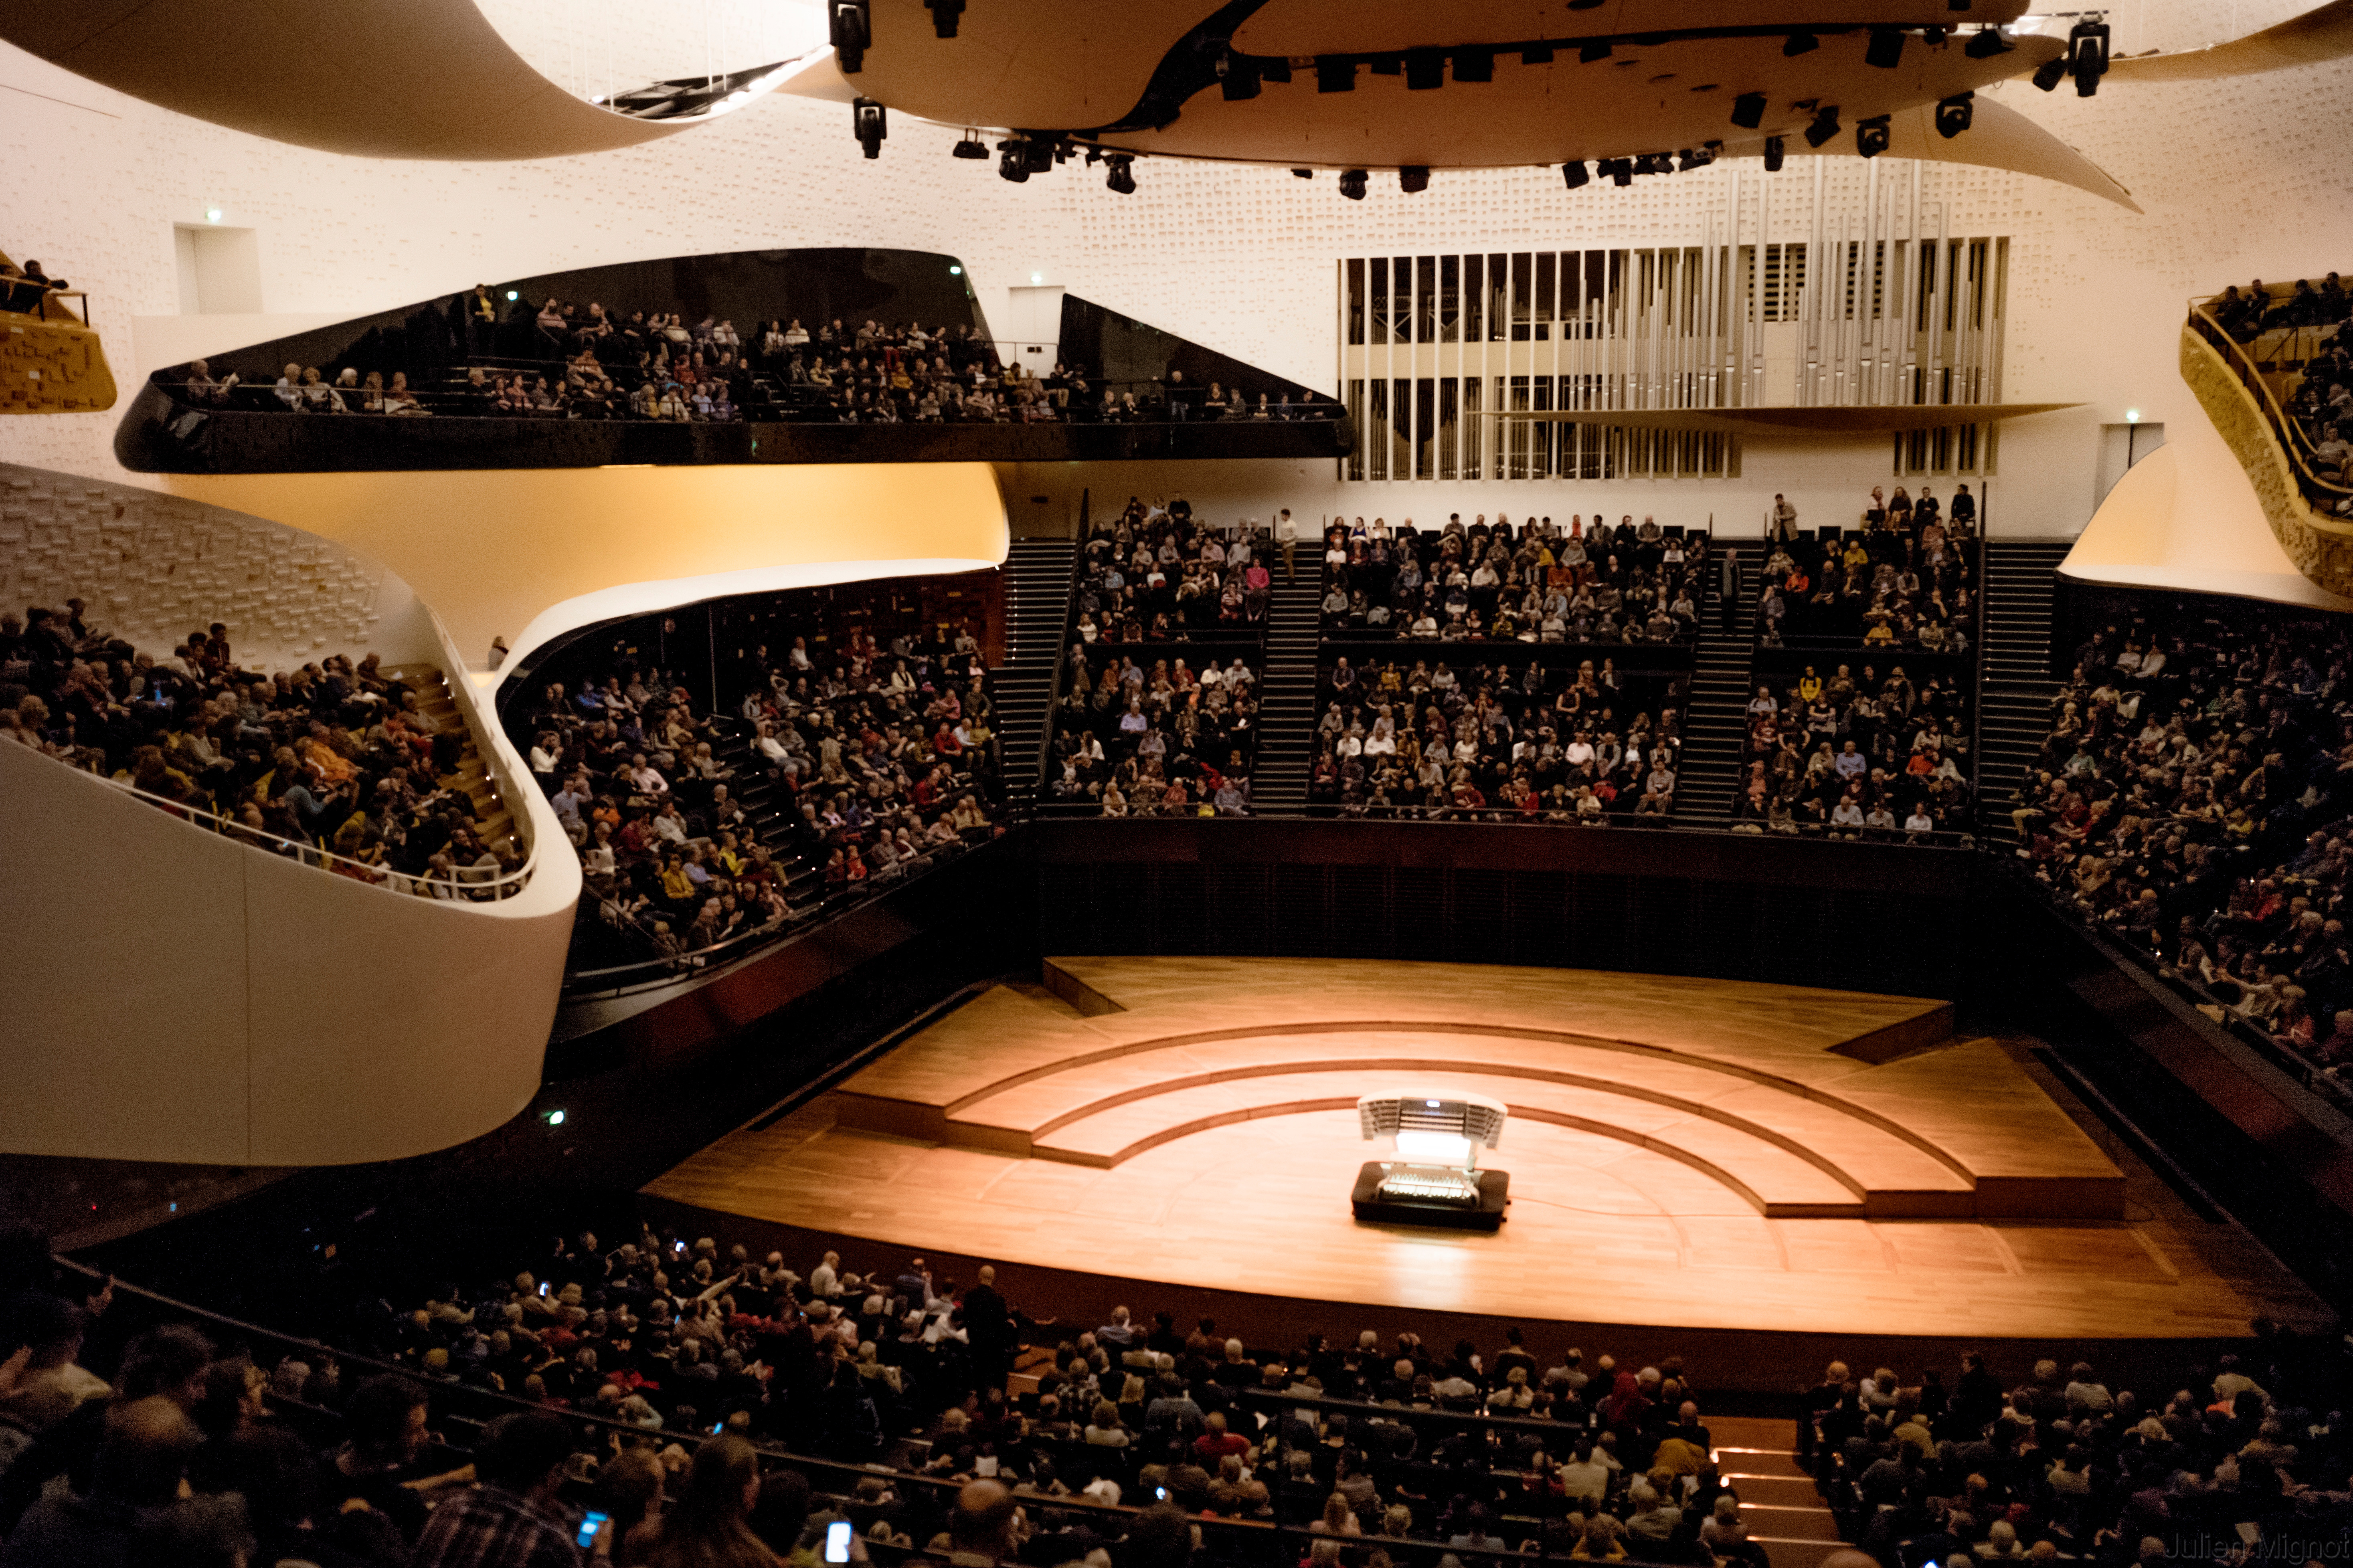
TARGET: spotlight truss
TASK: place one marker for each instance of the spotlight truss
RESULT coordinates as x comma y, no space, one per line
1954,114
2087,56
1871,136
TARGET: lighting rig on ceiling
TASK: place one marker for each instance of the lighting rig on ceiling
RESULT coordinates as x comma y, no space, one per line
871,122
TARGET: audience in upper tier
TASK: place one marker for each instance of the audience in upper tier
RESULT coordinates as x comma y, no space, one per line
1497,743
24,289
833,778
1533,583
2258,309
1167,743
332,756
1907,580
1155,573
2192,798
670,1341
1856,756
577,363
2309,368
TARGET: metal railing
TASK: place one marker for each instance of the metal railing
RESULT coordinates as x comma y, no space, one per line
463,887
2324,495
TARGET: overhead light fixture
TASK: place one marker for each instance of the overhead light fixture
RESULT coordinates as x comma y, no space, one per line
1239,77
1013,161
1122,177
850,29
1594,51
1351,184
1424,69
1302,173
1825,126
1871,136
971,146
1620,170
2051,72
1775,150
1576,176
956,272
943,16
872,121
1536,55
1386,65
1886,49
1800,42
1037,278
1954,114
1932,37
1274,67
1413,179
1696,158
2087,56
1474,65
1985,43
1748,110
1335,74
212,215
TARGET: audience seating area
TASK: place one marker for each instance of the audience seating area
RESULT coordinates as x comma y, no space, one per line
1167,741
2192,802
876,1390
366,770
1854,754
1906,580
560,360
1529,582
1520,740
809,780
2292,339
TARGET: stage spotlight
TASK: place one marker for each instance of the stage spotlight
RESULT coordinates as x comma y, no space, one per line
1535,55
871,122
1871,136
971,147
1825,126
1122,177
1954,114
850,31
1414,179
1302,173
2050,73
1351,184
1238,79
1334,74
1045,154
1800,44
1013,161
2087,56
1696,158
1985,43
1386,65
943,16
1474,65
1575,176
1775,150
1886,49
1593,52
1932,37
1275,69
1424,69
1620,170
1748,110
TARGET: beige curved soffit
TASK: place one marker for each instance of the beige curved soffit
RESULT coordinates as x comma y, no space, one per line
2318,35
377,79
1998,137
1043,64
2159,528
527,553
1363,26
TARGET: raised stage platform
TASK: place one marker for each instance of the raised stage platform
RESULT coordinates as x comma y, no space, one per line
1684,1153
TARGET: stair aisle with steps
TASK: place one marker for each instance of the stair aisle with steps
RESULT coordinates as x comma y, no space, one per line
493,818
2015,687
1717,722
1286,716
1037,610
1780,1506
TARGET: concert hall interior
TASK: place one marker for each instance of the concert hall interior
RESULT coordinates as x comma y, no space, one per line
1293,784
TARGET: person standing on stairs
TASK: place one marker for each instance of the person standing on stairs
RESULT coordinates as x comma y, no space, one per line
1286,533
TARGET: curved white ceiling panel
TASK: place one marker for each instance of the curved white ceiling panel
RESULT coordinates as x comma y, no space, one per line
384,79
1297,27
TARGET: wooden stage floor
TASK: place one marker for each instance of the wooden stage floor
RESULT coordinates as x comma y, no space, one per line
1703,1156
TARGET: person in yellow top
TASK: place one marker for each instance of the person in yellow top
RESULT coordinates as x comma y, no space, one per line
676,885
1809,685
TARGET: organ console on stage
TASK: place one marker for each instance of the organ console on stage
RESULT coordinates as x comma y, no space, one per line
1433,1177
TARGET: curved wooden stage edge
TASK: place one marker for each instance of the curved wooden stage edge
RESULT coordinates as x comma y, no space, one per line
1756,1177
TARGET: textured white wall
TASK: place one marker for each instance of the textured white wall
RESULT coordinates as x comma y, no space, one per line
2239,177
